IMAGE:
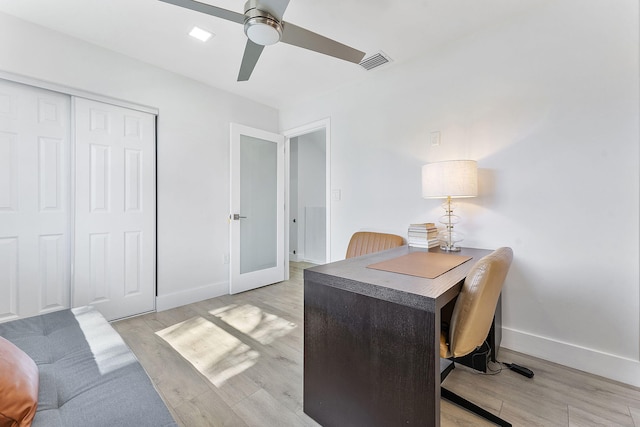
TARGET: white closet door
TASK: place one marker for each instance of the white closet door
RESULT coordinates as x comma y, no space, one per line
34,201
115,209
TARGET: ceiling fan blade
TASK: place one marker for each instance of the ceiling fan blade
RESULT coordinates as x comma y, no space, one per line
252,52
208,9
300,37
274,7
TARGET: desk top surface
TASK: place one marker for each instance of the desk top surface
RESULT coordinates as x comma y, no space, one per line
353,275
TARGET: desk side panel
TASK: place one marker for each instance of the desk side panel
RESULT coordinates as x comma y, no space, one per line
368,362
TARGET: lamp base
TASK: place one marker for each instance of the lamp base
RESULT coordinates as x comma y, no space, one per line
449,239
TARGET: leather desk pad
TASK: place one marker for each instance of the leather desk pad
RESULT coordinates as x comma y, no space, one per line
421,264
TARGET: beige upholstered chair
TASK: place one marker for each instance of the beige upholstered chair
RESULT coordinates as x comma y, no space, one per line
366,242
472,316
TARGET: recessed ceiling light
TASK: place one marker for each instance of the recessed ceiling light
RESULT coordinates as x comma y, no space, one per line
200,34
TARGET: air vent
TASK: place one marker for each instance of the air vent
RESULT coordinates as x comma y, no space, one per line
375,61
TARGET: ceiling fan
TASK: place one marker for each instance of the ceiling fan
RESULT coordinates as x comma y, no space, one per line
263,25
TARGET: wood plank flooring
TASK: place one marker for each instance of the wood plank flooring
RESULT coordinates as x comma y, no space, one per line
237,361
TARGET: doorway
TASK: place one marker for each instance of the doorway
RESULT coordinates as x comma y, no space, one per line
308,183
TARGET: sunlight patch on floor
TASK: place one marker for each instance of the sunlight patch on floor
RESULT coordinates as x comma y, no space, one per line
215,353
258,324
220,353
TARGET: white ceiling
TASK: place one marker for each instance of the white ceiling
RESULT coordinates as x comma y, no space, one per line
156,33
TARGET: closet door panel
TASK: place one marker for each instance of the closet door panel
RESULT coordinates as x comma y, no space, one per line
115,209
34,201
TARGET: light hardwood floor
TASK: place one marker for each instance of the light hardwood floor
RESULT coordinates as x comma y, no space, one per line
237,361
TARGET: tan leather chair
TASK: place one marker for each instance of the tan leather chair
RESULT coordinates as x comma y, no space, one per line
472,317
367,242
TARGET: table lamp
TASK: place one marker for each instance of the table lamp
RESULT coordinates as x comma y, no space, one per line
449,180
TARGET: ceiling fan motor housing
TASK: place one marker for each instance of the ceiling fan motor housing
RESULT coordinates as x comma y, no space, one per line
261,27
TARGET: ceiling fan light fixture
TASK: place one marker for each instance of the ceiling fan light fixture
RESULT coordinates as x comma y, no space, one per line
263,30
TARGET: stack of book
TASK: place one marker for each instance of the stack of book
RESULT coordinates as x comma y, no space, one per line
423,235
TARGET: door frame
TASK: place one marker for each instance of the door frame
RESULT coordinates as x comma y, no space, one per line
292,133
68,90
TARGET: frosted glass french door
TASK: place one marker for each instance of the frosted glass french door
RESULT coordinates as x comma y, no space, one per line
257,208
34,201
115,209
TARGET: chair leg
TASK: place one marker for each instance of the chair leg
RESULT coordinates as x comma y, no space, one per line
461,401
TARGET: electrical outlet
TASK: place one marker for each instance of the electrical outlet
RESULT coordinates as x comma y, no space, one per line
336,195
227,259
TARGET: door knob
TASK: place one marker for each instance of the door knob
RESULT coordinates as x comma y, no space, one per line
237,217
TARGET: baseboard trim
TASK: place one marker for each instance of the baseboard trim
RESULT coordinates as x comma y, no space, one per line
189,296
595,362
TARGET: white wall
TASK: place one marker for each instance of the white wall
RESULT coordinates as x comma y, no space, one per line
193,147
548,105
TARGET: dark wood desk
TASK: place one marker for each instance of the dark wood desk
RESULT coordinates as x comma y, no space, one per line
372,339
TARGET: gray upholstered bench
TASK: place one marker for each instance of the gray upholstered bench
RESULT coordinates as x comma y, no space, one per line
87,374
